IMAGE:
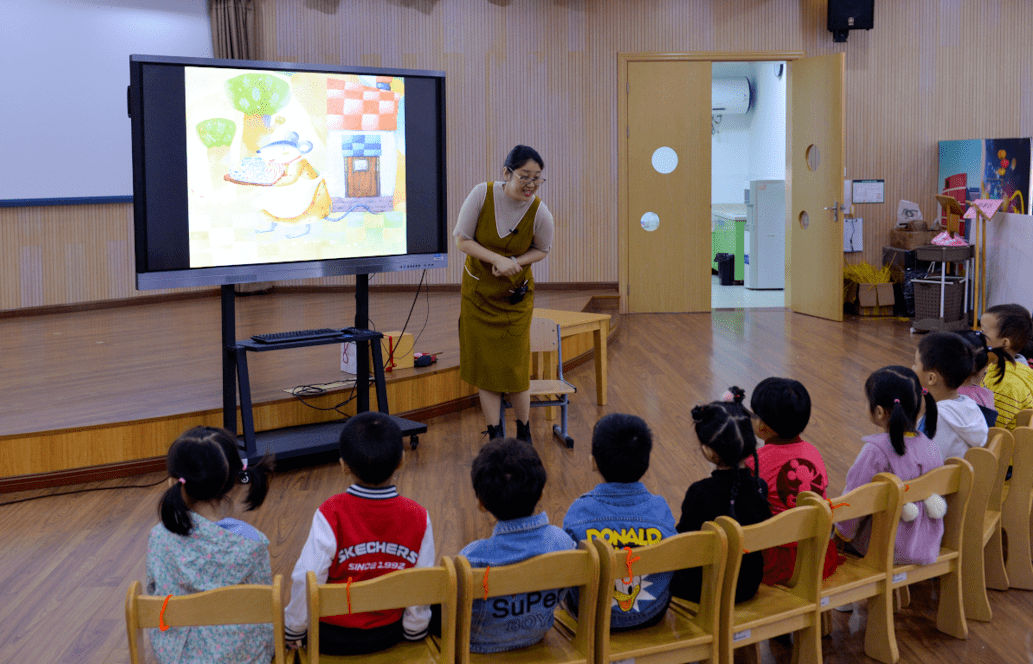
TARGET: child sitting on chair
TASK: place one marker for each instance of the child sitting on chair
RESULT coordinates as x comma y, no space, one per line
365,532
726,439
781,409
894,401
621,505
973,385
943,361
1008,329
199,546
508,478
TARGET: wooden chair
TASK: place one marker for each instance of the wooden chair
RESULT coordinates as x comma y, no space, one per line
777,610
1018,509
550,390
953,481
395,590
1023,418
870,577
232,605
550,571
683,636
983,562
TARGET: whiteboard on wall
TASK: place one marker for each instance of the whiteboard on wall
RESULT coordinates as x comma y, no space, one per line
65,66
1009,260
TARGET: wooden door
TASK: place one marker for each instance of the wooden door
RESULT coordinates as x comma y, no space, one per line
363,176
668,222
814,186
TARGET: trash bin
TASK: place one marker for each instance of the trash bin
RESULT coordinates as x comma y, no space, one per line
726,268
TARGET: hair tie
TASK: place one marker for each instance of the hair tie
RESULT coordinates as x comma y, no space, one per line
898,400
728,397
924,391
182,480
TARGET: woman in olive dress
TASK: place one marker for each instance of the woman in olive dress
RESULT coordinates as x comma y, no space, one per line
503,229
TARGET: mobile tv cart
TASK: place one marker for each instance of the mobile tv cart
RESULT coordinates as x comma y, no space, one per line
308,438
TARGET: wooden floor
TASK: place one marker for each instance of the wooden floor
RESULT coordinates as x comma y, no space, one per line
65,562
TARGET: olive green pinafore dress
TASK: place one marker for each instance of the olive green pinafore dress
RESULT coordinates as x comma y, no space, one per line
494,335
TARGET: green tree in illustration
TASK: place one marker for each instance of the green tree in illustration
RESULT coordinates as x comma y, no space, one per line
217,135
258,97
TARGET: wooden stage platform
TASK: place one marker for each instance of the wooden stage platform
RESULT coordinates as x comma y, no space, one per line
102,393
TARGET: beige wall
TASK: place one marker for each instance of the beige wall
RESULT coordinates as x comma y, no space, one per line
544,73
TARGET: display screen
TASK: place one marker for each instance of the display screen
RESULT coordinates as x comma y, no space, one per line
249,173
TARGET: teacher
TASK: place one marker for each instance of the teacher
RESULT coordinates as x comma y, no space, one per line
503,229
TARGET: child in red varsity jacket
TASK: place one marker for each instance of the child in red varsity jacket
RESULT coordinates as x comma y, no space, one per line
367,531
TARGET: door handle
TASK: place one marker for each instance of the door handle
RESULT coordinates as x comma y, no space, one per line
835,211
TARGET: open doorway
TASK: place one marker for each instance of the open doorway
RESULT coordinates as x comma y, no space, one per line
748,174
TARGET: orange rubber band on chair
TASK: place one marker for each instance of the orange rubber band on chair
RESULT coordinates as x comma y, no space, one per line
348,590
485,581
628,560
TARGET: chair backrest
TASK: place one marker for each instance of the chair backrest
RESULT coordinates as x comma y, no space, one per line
706,548
881,499
232,605
809,526
545,336
953,480
1023,418
1001,443
561,569
395,590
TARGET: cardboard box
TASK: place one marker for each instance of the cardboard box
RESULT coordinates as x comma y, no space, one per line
395,347
905,239
875,295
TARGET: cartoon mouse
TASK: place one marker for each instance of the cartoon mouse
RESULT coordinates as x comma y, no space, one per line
300,194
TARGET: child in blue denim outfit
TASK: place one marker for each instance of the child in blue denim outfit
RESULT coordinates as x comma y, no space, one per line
621,512
508,478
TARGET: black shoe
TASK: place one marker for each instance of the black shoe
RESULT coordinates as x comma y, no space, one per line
493,431
524,431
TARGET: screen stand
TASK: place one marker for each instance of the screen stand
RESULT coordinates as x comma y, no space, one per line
311,438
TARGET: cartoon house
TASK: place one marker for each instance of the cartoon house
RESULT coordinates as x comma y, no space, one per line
363,120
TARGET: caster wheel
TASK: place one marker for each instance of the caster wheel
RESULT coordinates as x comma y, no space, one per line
414,442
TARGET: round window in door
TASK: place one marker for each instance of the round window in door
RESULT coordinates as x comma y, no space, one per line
650,221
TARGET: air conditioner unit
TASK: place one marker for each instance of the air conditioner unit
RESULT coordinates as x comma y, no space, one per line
730,96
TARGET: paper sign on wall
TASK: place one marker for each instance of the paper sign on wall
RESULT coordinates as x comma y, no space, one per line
853,236
869,191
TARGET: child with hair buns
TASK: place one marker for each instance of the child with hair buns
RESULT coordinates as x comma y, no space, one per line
725,433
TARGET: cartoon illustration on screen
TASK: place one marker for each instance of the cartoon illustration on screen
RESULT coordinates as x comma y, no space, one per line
294,165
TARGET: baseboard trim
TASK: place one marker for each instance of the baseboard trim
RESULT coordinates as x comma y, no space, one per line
109,471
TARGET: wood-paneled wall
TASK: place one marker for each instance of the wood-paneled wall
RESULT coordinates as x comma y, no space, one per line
544,73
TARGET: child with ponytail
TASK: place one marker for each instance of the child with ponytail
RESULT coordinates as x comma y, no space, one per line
895,398
199,546
725,433
1008,328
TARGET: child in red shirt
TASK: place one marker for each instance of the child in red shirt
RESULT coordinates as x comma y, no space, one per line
781,409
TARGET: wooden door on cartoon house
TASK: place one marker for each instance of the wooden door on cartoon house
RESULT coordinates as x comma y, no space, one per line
363,177
362,154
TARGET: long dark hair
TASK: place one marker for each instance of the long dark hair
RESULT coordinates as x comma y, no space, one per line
1015,325
726,428
206,465
899,392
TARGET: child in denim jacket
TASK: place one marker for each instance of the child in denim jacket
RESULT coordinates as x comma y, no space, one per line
621,512
508,478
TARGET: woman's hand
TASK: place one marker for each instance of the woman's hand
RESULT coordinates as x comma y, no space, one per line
505,267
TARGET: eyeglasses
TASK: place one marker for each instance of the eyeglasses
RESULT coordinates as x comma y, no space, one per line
527,179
